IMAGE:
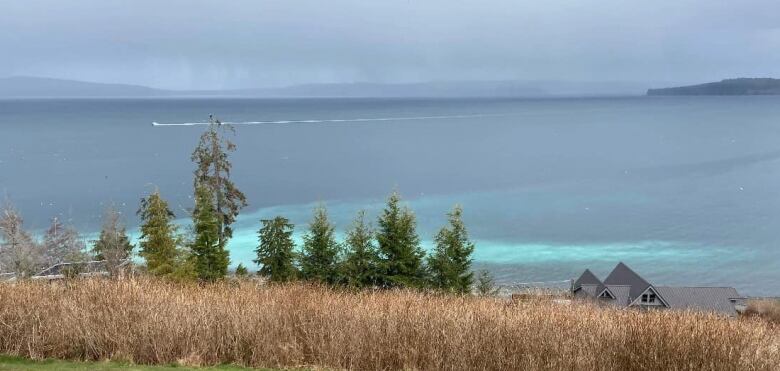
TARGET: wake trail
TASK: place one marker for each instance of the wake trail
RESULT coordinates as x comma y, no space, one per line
369,119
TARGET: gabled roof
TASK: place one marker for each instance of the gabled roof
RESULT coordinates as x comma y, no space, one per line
623,275
591,290
709,299
587,278
620,292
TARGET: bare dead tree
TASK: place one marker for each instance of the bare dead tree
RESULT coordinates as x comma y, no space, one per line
19,253
113,246
62,244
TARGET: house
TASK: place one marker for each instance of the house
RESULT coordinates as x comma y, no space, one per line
624,288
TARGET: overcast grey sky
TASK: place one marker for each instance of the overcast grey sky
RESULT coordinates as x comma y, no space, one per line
239,44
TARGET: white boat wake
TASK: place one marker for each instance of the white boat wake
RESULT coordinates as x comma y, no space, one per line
335,120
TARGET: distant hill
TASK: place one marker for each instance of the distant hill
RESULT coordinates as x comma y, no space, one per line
39,87
741,86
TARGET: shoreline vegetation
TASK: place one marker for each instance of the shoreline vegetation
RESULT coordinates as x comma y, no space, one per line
157,322
375,300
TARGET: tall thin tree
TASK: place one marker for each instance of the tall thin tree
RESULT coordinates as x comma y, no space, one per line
159,241
361,264
113,245
450,263
208,251
401,256
320,252
275,253
213,171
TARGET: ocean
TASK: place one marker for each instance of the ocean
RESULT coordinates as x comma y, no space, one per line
685,190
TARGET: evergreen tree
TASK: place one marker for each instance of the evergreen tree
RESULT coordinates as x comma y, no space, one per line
361,266
486,286
62,244
275,253
399,246
159,241
318,259
211,259
450,263
213,171
241,270
113,245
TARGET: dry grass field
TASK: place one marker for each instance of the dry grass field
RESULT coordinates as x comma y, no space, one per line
152,322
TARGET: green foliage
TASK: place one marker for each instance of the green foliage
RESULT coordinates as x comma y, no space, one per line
399,246
319,255
361,266
208,250
241,270
275,253
450,263
159,240
213,171
486,285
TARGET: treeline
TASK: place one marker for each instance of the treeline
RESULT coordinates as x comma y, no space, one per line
388,255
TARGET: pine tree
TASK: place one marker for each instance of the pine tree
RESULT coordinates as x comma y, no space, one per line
208,251
62,244
486,286
213,171
241,270
361,266
19,253
113,245
275,253
318,259
159,241
450,264
399,246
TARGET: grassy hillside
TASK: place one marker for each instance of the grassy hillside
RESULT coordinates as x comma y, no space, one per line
742,86
152,322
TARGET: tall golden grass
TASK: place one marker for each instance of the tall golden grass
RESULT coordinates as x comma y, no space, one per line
152,322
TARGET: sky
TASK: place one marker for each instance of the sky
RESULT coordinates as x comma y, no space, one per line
244,44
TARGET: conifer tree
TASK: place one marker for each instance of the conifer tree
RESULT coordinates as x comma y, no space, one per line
62,244
213,171
241,270
361,265
486,285
319,255
399,246
113,245
210,257
275,253
450,263
159,241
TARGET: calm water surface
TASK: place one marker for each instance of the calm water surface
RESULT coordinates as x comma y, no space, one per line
686,190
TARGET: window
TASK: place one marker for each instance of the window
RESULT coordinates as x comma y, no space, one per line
648,298
605,295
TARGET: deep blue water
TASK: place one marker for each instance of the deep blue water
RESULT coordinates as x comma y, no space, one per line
686,190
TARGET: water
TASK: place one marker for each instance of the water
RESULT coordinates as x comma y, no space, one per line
686,190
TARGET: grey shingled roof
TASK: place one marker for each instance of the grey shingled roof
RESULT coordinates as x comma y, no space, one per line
587,278
621,293
710,299
623,275
591,290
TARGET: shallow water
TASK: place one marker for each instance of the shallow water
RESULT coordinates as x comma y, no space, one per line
683,189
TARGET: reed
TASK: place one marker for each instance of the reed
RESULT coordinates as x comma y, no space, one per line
153,322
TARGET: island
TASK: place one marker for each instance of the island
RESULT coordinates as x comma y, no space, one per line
740,86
